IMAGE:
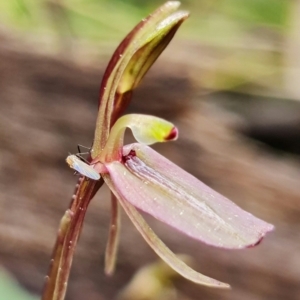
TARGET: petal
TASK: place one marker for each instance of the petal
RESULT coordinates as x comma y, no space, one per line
149,130
130,62
81,167
155,185
113,237
159,247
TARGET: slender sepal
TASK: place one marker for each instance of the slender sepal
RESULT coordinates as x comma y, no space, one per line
113,237
159,247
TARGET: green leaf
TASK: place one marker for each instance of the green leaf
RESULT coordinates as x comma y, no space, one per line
11,290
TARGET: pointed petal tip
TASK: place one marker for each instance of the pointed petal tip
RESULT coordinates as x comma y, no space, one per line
173,135
268,229
221,285
256,243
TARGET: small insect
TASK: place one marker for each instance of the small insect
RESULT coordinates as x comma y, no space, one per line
81,167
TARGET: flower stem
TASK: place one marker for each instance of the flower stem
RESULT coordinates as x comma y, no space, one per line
68,234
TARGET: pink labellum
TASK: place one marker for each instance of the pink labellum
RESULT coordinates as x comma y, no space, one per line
155,185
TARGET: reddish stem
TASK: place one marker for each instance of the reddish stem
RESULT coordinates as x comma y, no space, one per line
68,234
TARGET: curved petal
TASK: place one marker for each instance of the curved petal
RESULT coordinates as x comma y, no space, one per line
146,130
159,247
155,185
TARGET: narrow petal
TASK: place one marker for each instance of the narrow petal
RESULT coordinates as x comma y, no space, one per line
81,167
159,247
113,237
155,185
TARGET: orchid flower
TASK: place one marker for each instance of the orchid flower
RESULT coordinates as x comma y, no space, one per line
141,178
138,177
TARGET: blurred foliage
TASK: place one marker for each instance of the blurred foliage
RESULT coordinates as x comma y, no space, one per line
11,290
157,282
246,38
269,12
104,19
